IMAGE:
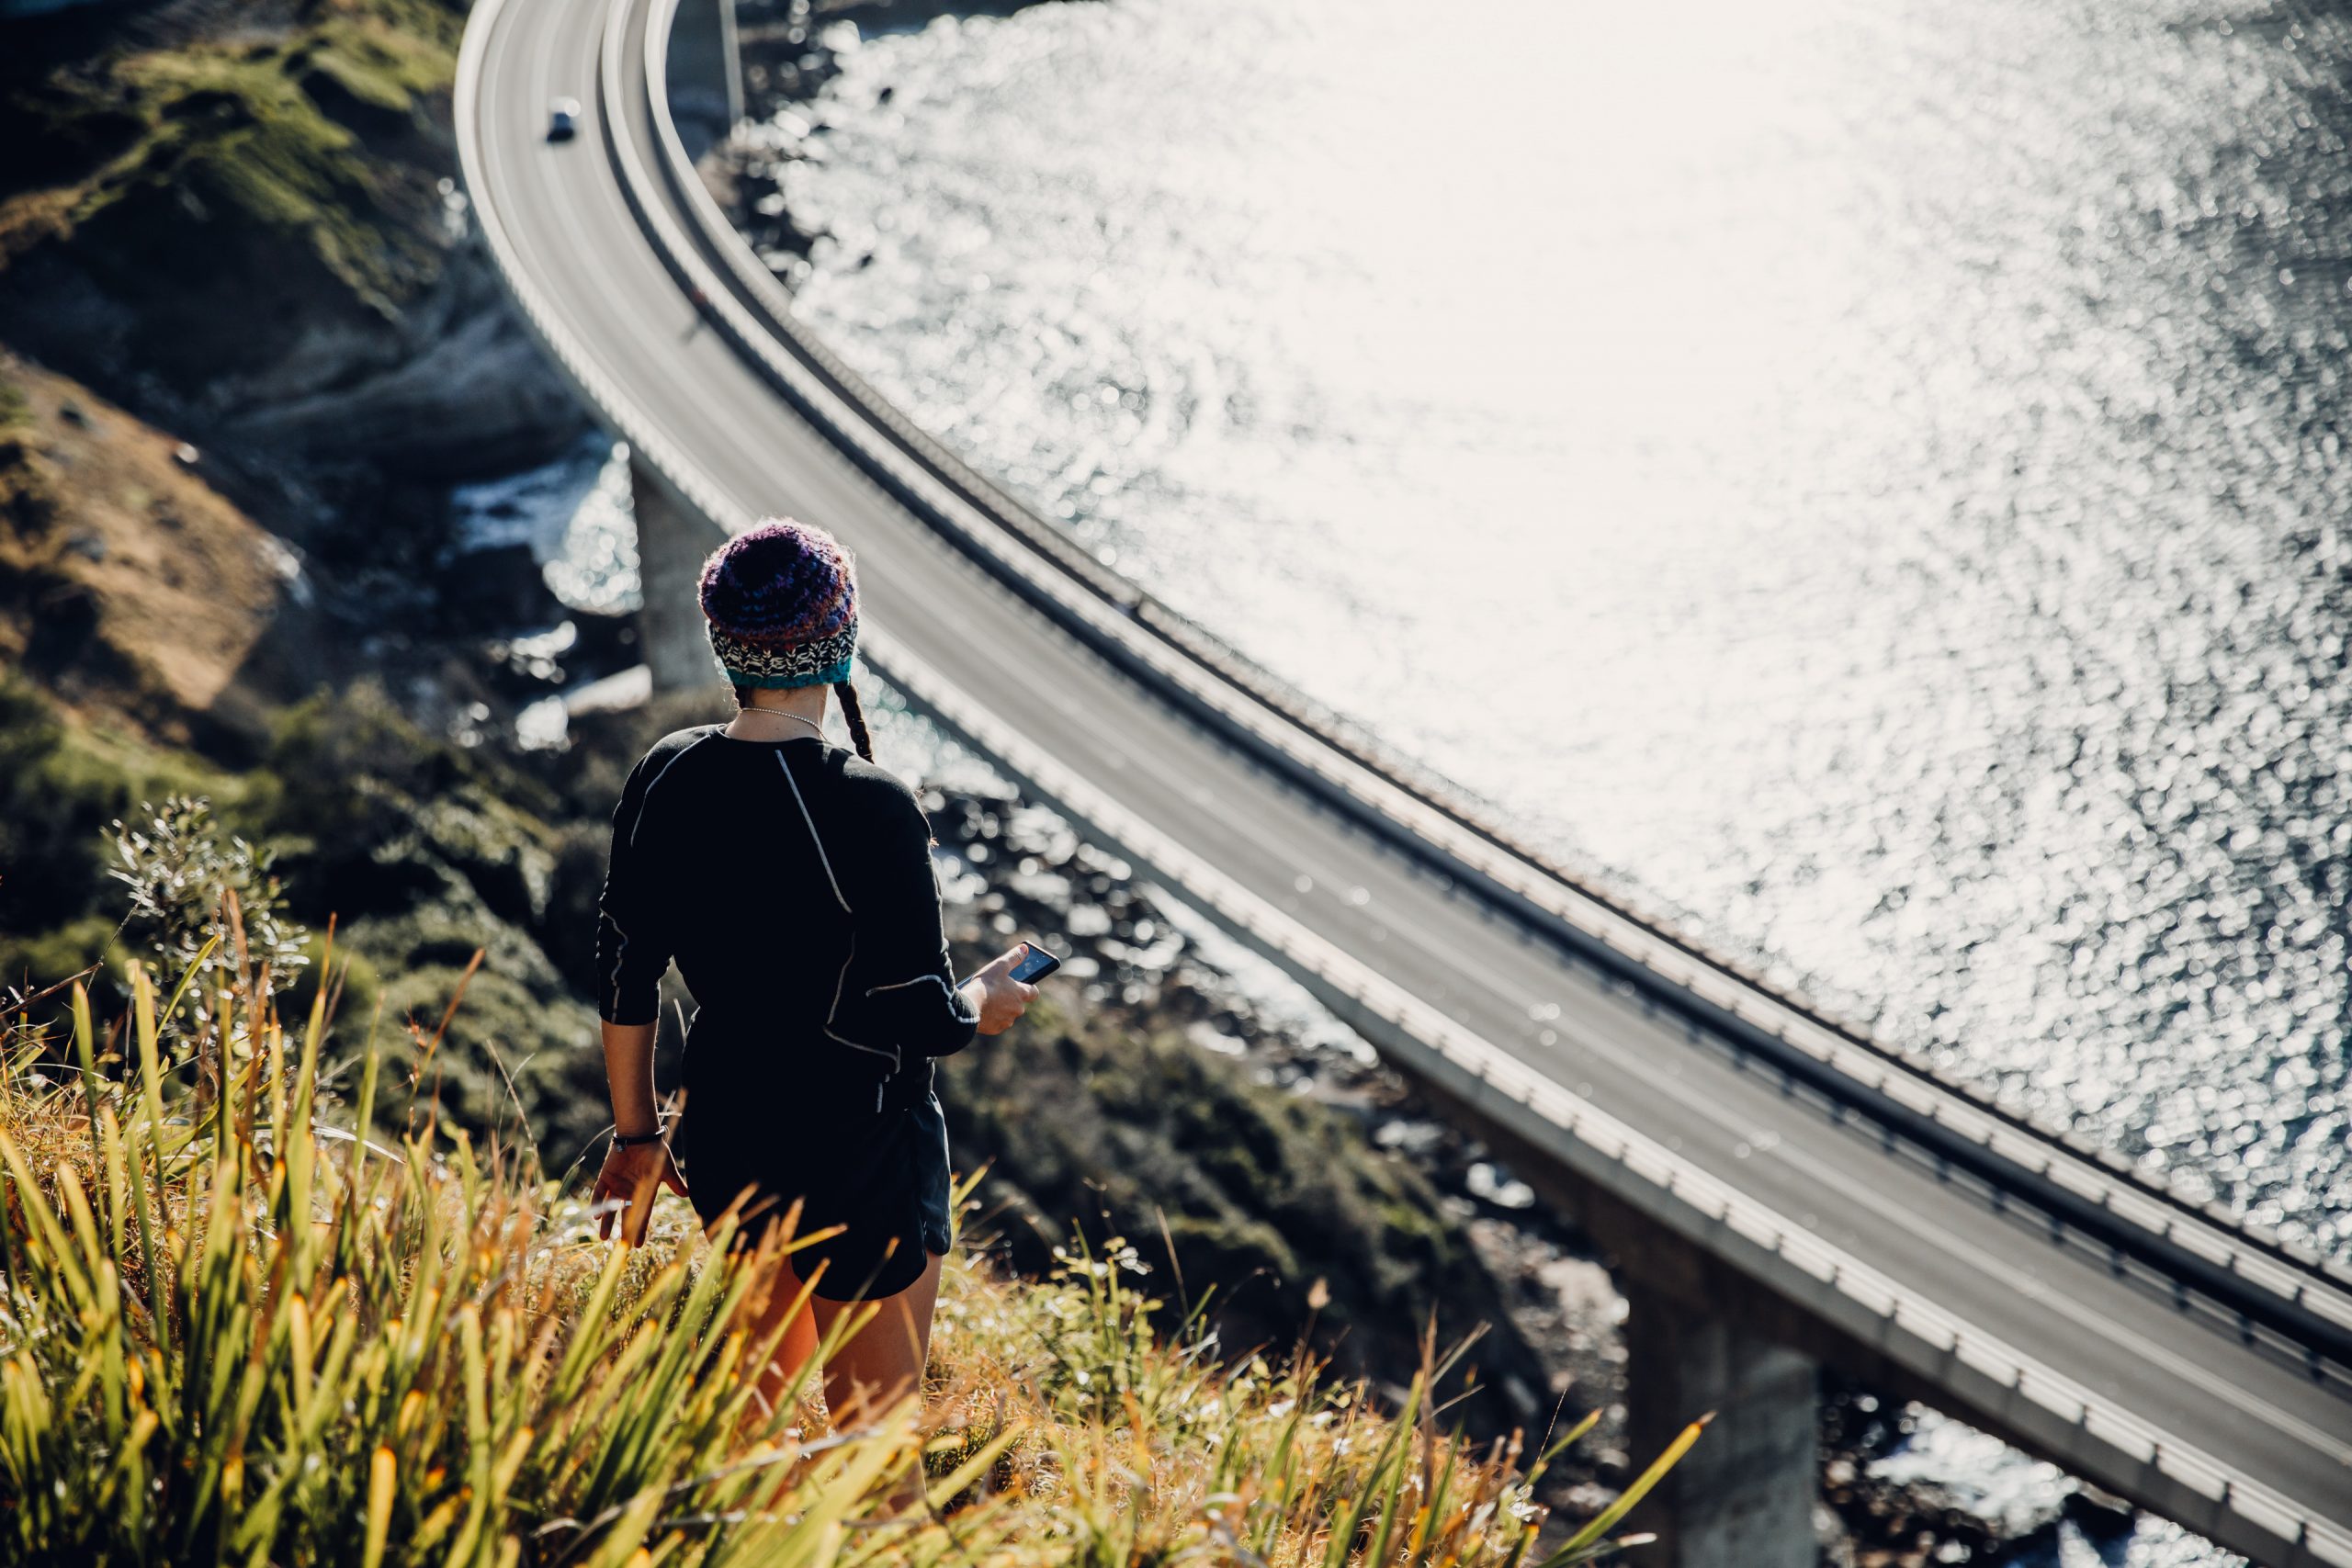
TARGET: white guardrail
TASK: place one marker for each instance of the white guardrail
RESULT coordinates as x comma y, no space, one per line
2178,1477
2062,1159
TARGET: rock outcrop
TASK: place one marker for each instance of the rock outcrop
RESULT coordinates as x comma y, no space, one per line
243,222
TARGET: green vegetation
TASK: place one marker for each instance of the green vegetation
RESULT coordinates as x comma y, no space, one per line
256,128
429,855
26,503
271,118
1270,1193
233,1331
60,785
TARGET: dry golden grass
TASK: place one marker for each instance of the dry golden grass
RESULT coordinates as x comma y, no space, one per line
232,1332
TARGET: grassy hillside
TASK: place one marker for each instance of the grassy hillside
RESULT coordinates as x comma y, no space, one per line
172,162
418,851
239,218
235,1331
128,585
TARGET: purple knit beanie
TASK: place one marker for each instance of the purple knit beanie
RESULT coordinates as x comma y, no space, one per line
781,602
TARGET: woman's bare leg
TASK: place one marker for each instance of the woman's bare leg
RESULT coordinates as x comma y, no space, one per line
800,1341
882,1363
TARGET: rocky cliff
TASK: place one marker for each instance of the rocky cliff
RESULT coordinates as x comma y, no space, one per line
240,221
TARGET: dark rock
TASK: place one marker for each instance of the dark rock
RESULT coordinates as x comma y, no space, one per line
65,645
575,882
54,138
607,645
225,110
498,590
461,390
378,124
2102,1516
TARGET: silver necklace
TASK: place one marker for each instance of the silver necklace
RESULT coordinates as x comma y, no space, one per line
815,726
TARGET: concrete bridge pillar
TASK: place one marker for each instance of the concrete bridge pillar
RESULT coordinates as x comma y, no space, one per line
671,541
705,73
1742,1497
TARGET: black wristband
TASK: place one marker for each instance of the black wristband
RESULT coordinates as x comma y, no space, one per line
623,1141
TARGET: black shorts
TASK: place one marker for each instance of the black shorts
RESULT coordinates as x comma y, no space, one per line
881,1176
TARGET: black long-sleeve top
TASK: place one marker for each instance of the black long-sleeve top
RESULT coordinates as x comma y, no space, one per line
792,882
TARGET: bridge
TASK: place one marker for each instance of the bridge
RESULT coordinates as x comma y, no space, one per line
1779,1193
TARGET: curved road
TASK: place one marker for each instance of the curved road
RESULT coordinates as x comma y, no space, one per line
2243,1435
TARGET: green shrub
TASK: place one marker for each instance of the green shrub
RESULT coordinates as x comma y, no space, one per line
202,900
61,787
1263,1189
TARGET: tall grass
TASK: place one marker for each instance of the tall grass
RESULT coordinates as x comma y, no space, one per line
234,1331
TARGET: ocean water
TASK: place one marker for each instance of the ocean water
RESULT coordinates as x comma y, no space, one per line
1867,476
573,512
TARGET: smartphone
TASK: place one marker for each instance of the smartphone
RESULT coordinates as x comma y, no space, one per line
1035,966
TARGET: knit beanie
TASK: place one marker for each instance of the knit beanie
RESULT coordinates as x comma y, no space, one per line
781,602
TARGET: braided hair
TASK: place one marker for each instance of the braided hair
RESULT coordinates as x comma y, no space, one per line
853,715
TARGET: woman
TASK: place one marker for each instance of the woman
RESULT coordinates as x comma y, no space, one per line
793,884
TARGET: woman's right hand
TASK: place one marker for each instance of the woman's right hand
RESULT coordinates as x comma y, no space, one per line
1001,999
624,1188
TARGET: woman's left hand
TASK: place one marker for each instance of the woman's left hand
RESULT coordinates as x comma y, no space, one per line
996,997
630,1176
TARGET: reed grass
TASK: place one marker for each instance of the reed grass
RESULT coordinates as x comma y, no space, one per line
237,1327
